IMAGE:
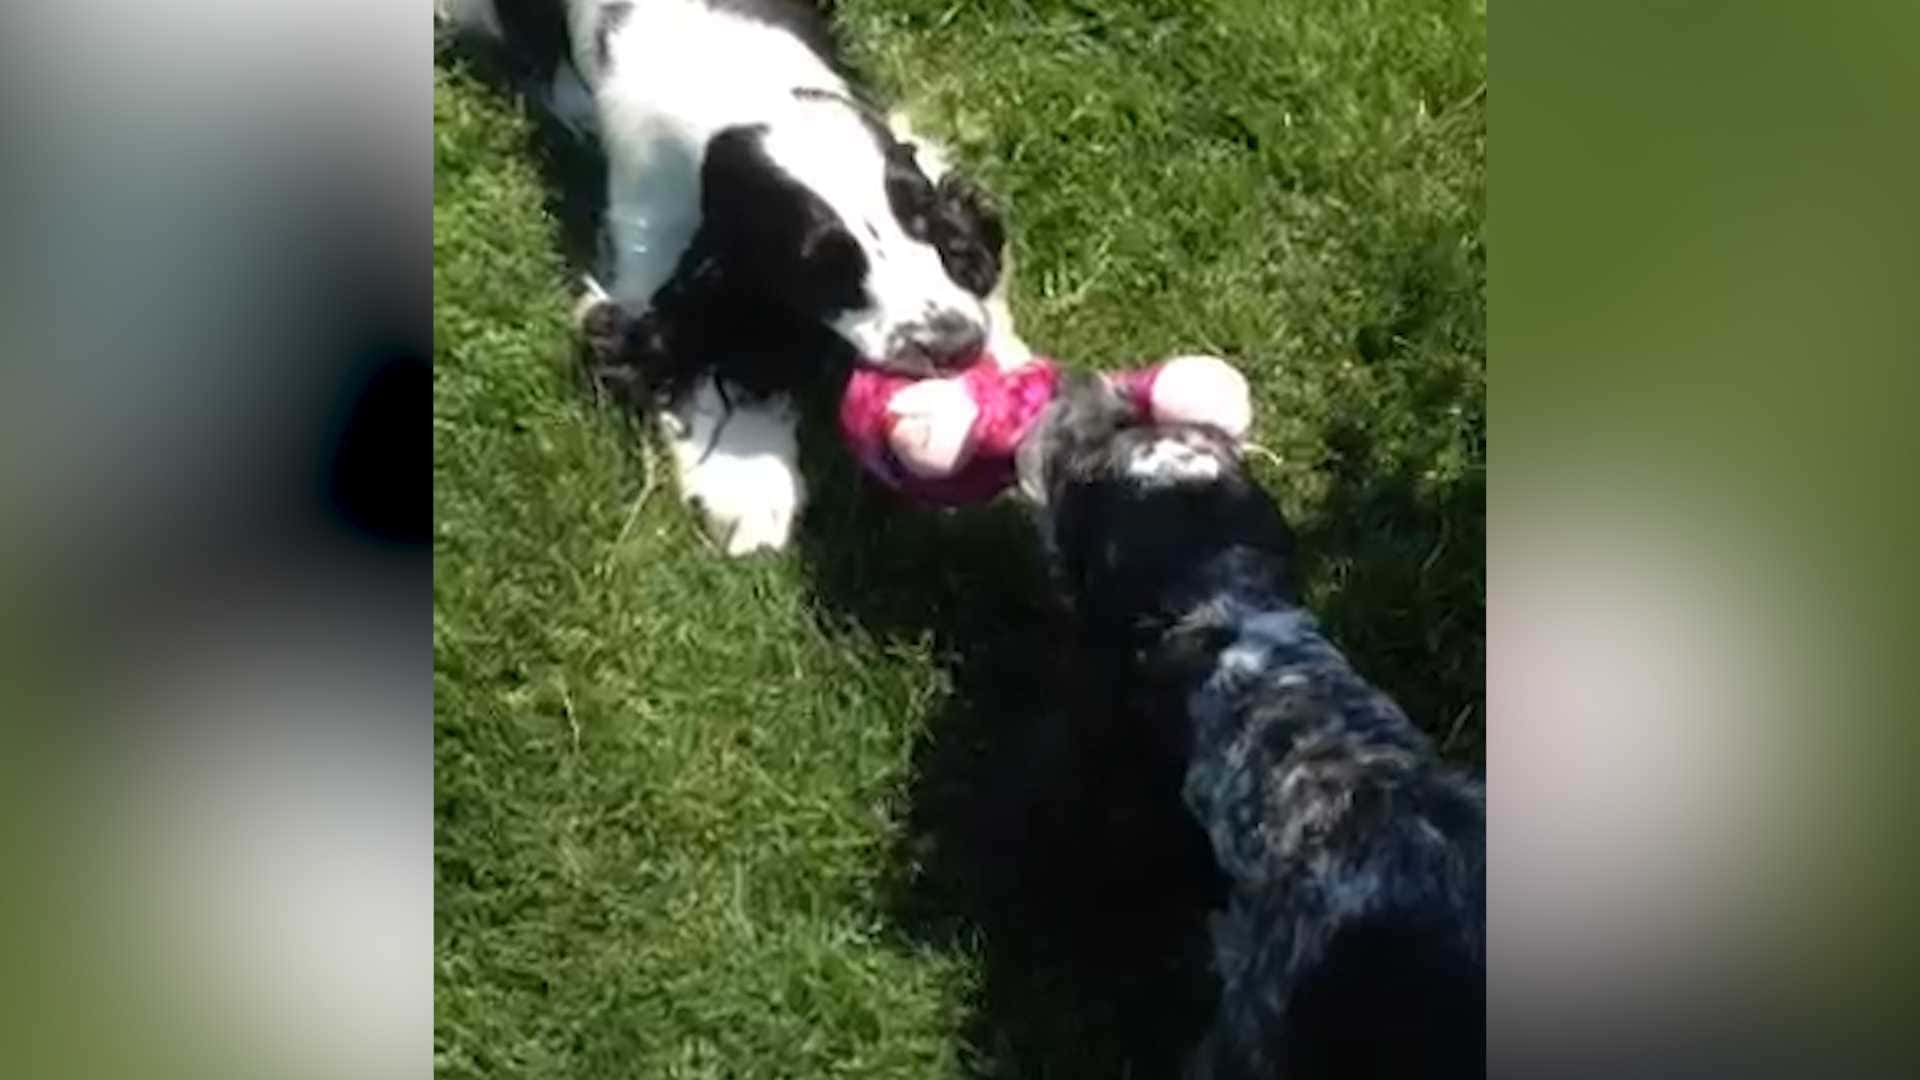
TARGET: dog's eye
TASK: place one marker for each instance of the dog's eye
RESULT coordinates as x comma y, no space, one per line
832,254
911,197
916,223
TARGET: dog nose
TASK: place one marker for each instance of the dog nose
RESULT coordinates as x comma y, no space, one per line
953,340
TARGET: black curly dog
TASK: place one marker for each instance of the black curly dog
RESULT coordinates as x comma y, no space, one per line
1353,940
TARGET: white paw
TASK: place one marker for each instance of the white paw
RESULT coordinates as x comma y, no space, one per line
738,467
750,513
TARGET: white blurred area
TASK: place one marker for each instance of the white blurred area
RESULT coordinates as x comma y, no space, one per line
1631,700
217,660
1702,597
1682,759
237,846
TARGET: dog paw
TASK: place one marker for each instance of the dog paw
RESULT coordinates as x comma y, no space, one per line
746,506
600,319
738,465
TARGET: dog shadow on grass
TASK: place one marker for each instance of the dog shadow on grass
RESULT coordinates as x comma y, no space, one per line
1030,834
1406,565
1035,830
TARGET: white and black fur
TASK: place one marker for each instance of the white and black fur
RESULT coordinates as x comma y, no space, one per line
1353,940
764,226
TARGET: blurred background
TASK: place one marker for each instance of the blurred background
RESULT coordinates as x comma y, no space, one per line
216,779
1704,252
214,318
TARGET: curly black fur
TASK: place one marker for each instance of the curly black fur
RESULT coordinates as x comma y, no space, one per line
1353,942
956,216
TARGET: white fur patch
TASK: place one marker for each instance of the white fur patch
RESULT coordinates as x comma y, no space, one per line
738,465
1242,660
1174,460
1278,625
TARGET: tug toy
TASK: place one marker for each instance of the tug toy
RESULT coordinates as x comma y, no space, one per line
951,441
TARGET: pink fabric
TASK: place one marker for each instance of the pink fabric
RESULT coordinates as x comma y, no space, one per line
1009,403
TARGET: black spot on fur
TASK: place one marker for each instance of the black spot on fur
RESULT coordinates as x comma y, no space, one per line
612,18
772,233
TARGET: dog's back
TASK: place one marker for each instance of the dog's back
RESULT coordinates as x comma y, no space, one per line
1353,943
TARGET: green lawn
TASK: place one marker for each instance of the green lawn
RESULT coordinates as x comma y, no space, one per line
806,816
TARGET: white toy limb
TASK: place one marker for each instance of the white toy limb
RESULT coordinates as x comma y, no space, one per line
932,421
1203,389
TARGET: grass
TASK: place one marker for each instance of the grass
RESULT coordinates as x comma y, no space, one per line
821,814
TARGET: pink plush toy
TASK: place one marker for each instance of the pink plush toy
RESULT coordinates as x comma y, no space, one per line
951,441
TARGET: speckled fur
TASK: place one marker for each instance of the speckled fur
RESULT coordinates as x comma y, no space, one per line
1353,940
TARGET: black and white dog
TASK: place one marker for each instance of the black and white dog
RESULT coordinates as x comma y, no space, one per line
763,225
1353,940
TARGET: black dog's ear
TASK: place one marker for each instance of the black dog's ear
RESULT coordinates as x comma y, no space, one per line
1031,456
1083,417
1093,410
738,184
969,232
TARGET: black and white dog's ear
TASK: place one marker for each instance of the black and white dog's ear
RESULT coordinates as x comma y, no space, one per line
954,214
969,232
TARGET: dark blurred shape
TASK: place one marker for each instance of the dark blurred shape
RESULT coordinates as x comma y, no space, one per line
377,476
